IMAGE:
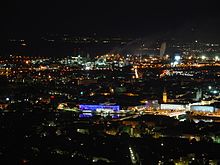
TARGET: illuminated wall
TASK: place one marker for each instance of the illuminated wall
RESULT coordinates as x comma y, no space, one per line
202,108
172,106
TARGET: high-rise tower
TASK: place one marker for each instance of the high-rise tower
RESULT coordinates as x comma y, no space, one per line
162,49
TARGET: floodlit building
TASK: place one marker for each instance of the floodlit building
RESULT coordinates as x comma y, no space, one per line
99,108
165,96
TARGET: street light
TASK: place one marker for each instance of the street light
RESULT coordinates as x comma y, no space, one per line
203,57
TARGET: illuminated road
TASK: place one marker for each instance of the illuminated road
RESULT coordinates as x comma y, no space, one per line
128,117
134,156
166,113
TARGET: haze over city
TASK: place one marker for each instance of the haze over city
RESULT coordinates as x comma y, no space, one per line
138,19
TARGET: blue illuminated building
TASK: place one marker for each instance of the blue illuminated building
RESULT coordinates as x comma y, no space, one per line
90,115
85,115
85,107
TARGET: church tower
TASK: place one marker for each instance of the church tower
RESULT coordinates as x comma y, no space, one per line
165,96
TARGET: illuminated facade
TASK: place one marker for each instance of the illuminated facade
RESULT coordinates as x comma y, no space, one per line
173,106
202,108
164,96
97,108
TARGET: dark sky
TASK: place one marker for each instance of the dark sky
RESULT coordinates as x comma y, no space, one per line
137,18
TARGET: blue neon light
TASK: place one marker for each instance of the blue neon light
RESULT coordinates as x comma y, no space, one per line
83,107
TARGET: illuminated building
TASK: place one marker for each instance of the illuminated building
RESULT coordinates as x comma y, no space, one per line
164,96
198,95
202,108
162,49
173,106
177,60
136,72
99,108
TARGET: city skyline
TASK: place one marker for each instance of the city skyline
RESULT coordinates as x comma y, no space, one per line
110,82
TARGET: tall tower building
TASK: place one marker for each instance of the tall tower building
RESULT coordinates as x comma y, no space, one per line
198,95
162,49
165,96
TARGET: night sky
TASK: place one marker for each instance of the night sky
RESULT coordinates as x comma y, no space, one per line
135,18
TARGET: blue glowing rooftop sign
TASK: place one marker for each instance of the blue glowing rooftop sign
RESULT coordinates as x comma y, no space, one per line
84,107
